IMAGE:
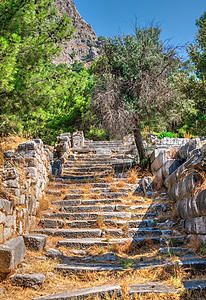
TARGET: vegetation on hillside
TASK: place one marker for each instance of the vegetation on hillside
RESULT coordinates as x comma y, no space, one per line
141,80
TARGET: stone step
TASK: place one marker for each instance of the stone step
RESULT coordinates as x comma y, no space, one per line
86,202
88,208
88,242
100,208
100,292
150,287
95,196
195,286
76,268
89,216
96,233
98,190
87,178
75,233
92,184
85,174
52,223
87,169
96,163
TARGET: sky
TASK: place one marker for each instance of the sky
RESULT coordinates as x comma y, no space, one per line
112,17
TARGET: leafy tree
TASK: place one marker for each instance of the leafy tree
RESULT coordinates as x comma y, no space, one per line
192,81
135,83
31,34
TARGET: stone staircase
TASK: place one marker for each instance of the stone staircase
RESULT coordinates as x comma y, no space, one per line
94,206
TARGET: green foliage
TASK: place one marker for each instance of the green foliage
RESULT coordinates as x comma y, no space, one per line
192,81
37,96
165,134
97,134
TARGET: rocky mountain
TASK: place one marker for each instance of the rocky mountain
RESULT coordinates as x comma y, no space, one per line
84,47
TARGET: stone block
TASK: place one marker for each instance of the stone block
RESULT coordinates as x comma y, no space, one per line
185,188
9,174
11,254
159,161
12,183
195,162
7,232
35,241
6,205
185,150
30,145
34,281
192,207
9,154
195,225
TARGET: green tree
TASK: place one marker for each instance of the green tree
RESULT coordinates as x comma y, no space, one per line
31,34
135,76
192,81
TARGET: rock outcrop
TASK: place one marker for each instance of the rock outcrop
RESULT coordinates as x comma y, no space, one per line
84,47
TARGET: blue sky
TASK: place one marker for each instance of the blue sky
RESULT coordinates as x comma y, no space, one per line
111,17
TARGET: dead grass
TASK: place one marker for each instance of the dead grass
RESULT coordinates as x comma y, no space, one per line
121,183
9,143
132,177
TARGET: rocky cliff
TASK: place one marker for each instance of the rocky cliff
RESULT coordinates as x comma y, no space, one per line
84,47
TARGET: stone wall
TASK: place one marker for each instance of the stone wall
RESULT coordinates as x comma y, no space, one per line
24,178
183,176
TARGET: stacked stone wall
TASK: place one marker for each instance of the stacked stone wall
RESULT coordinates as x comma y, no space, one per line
24,178
184,179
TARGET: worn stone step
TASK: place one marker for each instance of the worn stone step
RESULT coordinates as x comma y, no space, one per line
75,233
86,202
150,287
52,223
88,208
86,174
143,232
95,196
101,190
87,169
89,216
76,268
143,215
81,186
195,285
102,292
79,178
87,243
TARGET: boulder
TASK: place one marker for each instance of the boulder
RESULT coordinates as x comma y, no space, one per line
11,254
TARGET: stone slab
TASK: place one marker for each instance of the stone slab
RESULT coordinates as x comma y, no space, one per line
11,254
102,292
35,241
150,287
28,280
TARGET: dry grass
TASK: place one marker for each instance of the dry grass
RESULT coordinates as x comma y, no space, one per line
187,135
9,143
108,179
56,283
132,177
114,188
121,184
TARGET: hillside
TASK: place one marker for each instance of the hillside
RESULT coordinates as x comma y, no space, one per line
84,47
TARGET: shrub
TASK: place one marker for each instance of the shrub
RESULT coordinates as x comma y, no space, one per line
165,134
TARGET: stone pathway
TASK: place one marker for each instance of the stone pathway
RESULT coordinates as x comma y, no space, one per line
95,206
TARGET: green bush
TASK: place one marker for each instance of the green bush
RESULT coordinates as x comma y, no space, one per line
165,134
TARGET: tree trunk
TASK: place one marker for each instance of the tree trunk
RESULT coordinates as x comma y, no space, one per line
138,139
